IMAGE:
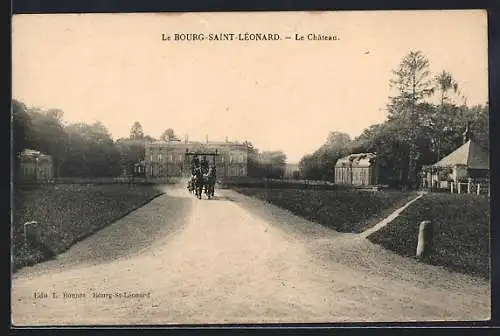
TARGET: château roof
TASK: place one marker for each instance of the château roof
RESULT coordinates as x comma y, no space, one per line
469,154
196,144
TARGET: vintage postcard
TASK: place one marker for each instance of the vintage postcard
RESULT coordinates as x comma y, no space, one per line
250,167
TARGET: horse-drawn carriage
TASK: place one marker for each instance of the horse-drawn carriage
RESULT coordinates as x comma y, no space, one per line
203,175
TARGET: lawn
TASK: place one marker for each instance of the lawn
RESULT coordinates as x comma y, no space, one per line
69,212
461,228
341,210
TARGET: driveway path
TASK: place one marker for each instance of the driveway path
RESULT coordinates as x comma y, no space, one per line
235,259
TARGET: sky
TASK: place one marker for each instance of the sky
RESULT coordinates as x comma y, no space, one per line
280,95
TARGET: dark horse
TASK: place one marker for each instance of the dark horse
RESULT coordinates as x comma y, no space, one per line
198,182
209,182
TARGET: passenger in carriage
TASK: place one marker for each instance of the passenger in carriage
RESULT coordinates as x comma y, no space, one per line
204,165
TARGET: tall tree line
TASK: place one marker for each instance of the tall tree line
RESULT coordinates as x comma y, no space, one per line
319,165
78,149
416,131
88,150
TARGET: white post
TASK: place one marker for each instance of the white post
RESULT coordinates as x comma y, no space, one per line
478,189
451,186
459,187
469,184
424,239
32,232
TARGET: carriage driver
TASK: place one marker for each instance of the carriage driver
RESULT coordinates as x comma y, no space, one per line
195,164
204,165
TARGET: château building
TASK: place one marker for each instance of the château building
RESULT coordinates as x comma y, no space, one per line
173,158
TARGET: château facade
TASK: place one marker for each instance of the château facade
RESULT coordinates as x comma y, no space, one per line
172,159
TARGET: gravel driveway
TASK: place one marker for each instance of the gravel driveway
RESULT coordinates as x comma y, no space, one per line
233,259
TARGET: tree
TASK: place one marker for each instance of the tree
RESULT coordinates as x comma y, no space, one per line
386,141
131,152
55,114
136,132
444,83
412,79
413,84
310,167
168,135
479,122
48,135
320,164
21,124
149,138
77,150
92,152
273,163
338,140
254,168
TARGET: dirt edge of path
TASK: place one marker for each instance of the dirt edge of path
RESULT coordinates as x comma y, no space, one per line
53,256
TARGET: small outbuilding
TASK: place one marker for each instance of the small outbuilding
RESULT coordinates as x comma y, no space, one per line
35,166
357,170
468,161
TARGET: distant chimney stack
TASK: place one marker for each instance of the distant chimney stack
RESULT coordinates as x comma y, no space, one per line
227,139
206,138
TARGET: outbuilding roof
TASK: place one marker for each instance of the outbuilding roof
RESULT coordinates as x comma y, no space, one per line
357,160
469,154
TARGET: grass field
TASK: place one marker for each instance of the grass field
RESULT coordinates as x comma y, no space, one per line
461,231
68,213
341,210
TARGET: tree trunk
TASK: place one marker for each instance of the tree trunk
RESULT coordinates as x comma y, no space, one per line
412,166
